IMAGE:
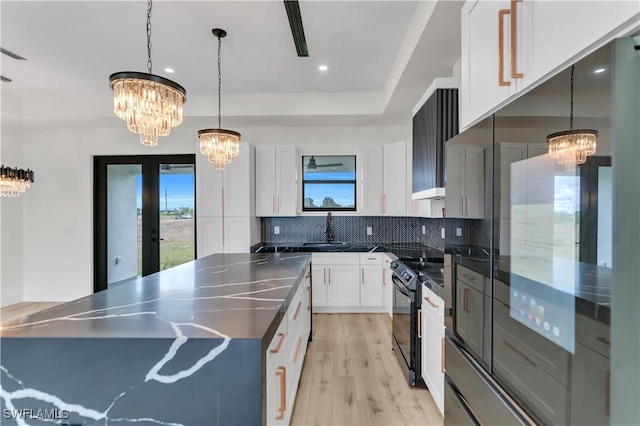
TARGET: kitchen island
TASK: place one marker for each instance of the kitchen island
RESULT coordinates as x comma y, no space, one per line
185,346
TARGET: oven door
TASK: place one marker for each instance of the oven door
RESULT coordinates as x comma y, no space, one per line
402,307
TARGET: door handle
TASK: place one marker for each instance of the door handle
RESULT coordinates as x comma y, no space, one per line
282,372
362,276
514,40
501,80
155,240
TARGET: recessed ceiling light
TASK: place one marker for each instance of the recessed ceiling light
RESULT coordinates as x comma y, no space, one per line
169,70
323,68
599,70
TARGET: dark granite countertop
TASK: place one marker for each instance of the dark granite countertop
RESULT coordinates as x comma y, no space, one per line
592,287
401,250
239,296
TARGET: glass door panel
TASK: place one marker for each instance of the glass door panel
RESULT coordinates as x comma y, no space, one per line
124,221
177,219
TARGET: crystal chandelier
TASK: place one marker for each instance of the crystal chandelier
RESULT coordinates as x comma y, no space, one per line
151,105
572,147
13,182
219,145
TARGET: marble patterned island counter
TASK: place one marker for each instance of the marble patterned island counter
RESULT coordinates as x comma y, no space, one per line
216,341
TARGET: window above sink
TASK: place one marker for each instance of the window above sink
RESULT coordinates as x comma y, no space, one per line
329,183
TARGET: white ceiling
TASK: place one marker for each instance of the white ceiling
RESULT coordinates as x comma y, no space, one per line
382,56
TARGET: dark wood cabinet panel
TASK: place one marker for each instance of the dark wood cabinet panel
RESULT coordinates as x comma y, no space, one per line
433,124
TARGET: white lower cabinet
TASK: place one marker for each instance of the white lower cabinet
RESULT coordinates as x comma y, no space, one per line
387,283
349,282
285,356
433,345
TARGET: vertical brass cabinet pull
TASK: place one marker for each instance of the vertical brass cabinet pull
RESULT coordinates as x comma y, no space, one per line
362,276
514,40
277,348
419,323
501,80
282,373
384,276
295,316
442,370
465,306
329,275
607,401
309,298
295,354
273,203
324,272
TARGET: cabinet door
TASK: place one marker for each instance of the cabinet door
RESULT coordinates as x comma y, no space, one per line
544,52
343,285
476,321
209,188
387,284
481,91
371,294
210,236
319,282
286,188
372,181
509,153
276,398
474,183
237,187
395,179
590,399
433,344
462,311
265,181
237,238
454,170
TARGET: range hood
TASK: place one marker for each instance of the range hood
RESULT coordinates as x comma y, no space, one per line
434,123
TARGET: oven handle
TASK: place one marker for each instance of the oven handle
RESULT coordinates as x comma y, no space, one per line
400,286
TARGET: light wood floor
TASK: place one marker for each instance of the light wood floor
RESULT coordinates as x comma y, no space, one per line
350,374
11,312
351,377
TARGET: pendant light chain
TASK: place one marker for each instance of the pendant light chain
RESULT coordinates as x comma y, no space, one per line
571,105
219,84
149,64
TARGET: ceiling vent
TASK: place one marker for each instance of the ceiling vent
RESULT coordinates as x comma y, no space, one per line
11,54
297,31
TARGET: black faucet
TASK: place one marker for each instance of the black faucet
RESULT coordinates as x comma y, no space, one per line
327,229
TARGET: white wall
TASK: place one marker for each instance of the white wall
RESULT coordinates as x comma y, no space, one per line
58,214
11,221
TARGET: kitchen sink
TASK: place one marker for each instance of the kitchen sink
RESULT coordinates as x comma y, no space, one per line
324,244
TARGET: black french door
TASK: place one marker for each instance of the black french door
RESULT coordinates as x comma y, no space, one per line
144,215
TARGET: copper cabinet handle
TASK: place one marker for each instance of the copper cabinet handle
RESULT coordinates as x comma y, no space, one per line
442,370
430,302
309,299
282,372
514,40
362,276
501,80
277,348
273,203
384,276
295,316
295,354
465,306
607,400
526,358
324,271
419,323
329,276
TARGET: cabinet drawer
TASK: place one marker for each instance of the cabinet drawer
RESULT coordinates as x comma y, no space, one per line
370,258
473,278
528,380
278,345
335,258
593,334
432,303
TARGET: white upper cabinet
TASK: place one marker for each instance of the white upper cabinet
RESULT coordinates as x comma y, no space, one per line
465,182
509,47
485,74
276,181
226,192
371,167
395,194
